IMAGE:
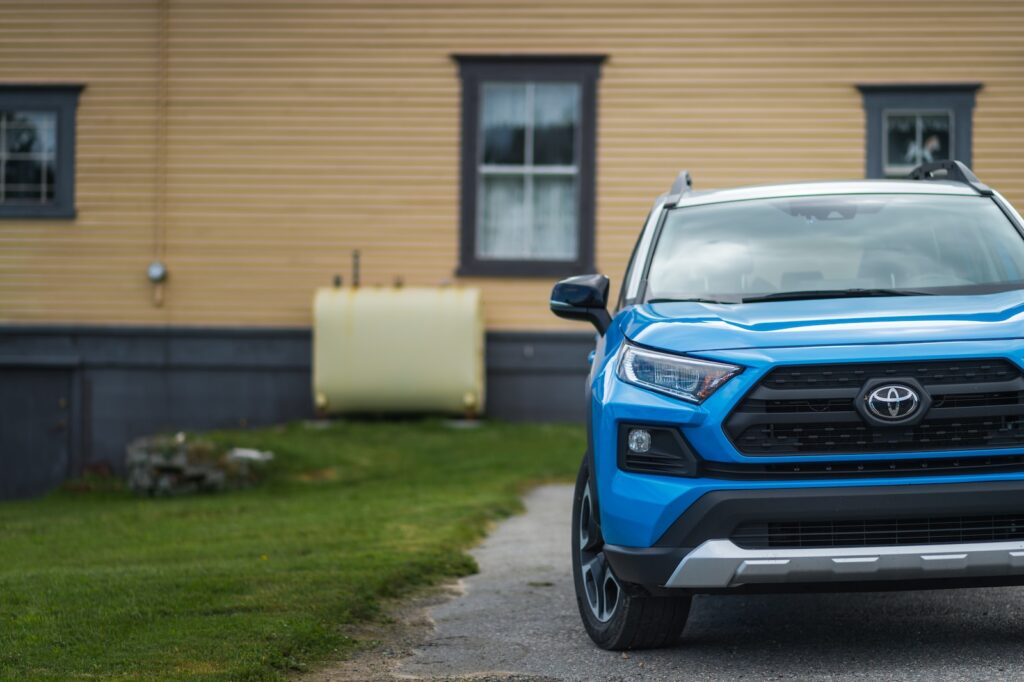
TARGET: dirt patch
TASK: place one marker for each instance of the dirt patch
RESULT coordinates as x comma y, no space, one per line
388,640
392,639
318,475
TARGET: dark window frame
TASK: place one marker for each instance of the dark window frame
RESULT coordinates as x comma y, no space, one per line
956,98
62,99
476,69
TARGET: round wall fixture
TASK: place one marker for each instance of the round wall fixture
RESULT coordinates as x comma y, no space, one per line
156,272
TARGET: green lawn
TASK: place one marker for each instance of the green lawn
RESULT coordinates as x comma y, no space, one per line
256,583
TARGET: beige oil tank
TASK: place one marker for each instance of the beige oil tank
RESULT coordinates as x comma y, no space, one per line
398,350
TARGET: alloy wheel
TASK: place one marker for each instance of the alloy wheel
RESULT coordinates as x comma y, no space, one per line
601,587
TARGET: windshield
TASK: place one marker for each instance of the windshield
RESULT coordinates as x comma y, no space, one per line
871,244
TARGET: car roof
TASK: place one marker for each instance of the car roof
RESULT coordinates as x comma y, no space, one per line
802,189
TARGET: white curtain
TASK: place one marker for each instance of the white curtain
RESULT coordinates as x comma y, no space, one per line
502,225
554,218
504,105
554,104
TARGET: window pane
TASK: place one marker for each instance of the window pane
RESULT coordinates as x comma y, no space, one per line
555,118
503,120
935,137
28,149
901,140
31,132
554,217
501,230
28,181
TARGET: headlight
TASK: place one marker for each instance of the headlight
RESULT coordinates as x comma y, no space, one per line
674,375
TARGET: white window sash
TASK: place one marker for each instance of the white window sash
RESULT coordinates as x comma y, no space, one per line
528,170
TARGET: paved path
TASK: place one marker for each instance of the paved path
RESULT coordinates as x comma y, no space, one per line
518,615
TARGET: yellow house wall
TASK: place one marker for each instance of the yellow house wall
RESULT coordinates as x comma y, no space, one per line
295,132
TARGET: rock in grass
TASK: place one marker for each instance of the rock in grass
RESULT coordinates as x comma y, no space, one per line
159,466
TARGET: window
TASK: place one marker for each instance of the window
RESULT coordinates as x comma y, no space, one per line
638,261
528,131
913,138
917,243
37,151
908,125
528,171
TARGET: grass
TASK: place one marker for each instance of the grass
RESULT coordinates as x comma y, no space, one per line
254,584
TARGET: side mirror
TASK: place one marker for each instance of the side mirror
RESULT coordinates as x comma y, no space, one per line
584,297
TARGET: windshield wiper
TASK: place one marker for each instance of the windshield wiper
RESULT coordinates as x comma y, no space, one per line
716,301
832,293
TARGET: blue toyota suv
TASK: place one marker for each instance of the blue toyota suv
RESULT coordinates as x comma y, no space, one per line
804,387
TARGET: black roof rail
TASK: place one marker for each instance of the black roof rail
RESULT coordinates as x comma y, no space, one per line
954,170
682,185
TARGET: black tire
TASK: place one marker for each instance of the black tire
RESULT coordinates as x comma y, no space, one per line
630,618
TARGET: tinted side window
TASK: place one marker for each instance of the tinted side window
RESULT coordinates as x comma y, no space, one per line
629,268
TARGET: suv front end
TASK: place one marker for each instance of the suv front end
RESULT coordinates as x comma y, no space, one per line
750,433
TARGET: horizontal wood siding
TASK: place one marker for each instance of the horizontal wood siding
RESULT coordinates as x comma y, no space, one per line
298,131
90,268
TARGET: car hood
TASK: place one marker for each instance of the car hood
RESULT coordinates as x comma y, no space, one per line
693,327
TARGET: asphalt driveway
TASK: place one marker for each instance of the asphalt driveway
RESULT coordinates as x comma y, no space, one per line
518,616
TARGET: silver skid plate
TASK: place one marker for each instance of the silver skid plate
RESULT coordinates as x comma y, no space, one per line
720,563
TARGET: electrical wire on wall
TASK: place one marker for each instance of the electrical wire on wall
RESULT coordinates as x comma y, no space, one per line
157,270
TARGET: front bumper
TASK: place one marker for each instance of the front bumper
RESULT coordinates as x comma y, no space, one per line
720,563
696,552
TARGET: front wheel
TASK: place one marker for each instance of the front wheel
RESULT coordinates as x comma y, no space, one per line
616,615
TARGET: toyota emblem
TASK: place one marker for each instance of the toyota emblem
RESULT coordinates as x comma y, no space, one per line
893,402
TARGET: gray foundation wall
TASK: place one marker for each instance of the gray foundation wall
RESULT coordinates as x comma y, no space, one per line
75,396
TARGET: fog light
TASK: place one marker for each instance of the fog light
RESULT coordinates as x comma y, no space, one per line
649,449
639,440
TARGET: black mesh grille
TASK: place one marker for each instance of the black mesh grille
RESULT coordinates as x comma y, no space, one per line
946,434
928,373
879,532
809,410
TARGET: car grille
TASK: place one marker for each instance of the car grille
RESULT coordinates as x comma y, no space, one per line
928,373
809,410
879,532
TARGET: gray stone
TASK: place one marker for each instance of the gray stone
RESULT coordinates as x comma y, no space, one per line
164,466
